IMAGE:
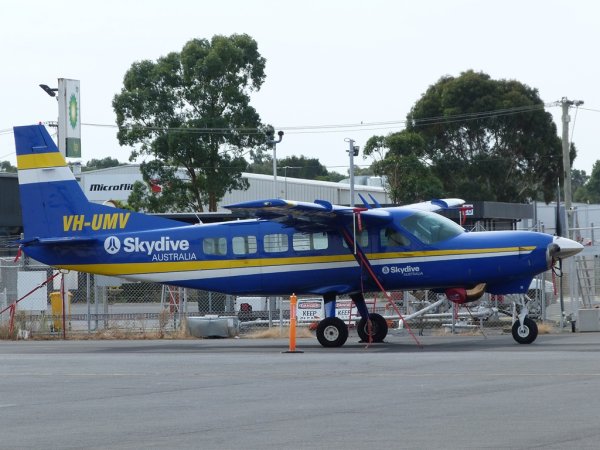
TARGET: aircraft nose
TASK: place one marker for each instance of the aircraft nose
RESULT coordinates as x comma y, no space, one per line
564,248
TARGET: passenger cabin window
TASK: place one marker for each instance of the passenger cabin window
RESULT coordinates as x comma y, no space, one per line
244,245
390,237
310,241
214,246
362,239
276,243
430,228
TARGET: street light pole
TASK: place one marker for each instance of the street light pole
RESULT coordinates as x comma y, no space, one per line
274,143
52,93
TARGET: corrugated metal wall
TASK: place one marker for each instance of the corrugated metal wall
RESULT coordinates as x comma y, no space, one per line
261,187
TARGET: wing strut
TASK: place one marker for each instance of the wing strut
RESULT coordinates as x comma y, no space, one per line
363,261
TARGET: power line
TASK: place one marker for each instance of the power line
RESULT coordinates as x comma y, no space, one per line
336,128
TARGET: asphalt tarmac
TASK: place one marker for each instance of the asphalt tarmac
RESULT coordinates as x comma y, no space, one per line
454,392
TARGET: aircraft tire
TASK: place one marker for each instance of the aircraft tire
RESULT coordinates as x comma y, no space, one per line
332,332
379,328
525,334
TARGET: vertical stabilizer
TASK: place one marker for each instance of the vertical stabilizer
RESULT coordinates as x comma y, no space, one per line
52,201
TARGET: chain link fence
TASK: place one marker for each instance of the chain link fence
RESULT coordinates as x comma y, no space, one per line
98,305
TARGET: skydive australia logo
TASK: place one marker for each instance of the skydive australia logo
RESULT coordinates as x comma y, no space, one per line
163,249
407,271
112,245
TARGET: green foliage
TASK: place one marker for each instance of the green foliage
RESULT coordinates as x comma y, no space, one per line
362,171
332,176
6,166
590,191
104,163
511,155
296,167
191,110
400,158
578,180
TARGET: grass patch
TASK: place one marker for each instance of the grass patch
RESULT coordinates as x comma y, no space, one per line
276,332
5,333
545,328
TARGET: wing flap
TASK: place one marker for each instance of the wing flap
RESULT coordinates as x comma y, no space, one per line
305,216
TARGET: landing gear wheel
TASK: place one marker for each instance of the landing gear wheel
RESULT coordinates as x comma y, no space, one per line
379,328
332,332
526,333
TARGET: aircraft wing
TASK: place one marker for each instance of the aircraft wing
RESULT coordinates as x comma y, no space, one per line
436,205
305,216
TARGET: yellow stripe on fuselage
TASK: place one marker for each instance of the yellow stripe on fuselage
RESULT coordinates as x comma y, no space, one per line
185,266
40,161
471,251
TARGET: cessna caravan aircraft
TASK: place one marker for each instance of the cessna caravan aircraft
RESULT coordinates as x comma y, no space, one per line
282,247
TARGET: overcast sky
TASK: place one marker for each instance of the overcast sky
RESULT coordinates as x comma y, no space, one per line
328,62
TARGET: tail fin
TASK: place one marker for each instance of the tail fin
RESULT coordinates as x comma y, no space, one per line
52,201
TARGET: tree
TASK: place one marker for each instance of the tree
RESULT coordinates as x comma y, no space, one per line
104,163
578,180
488,139
590,191
191,111
399,157
6,166
294,166
332,176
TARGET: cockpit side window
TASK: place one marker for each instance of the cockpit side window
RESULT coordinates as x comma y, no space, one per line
362,239
391,237
430,228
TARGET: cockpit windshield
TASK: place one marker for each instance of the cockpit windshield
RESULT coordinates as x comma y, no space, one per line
430,228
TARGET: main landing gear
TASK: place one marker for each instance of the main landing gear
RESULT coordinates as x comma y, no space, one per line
333,331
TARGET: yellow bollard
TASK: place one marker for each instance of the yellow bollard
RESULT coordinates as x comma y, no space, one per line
293,303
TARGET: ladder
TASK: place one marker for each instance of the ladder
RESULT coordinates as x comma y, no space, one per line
585,270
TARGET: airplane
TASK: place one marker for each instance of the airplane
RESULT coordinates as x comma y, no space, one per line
280,247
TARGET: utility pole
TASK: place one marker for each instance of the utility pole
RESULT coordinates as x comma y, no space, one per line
273,142
352,152
566,103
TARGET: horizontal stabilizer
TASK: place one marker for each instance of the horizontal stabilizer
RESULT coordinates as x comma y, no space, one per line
69,240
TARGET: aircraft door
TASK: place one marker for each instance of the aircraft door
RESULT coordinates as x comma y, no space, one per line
216,250
244,248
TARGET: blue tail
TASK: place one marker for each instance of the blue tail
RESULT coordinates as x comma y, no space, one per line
53,204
